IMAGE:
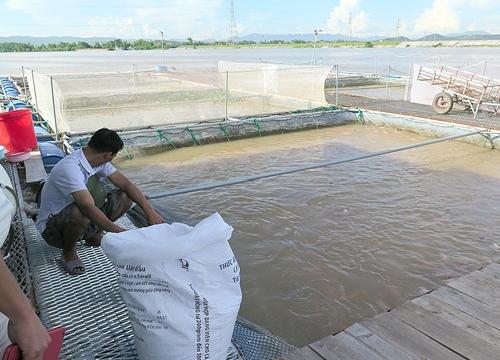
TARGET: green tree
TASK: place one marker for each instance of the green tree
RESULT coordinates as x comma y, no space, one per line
142,44
83,45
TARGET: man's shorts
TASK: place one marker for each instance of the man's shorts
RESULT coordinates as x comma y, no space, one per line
53,233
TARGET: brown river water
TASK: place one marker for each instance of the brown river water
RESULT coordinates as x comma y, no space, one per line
323,249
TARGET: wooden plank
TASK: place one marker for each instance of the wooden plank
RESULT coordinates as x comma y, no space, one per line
343,347
376,343
445,332
304,353
35,171
481,311
461,319
492,270
407,339
480,286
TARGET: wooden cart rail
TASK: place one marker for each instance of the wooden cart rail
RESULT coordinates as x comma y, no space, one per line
460,86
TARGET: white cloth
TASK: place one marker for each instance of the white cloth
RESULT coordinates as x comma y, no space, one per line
4,337
69,175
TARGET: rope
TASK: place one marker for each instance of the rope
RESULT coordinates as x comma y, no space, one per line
125,149
160,135
195,140
360,116
257,126
302,168
225,131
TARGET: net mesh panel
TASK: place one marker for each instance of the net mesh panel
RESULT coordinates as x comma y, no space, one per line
84,102
16,258
143,98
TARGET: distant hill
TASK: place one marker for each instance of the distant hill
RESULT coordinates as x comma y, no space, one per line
476,35
290,37
465,36
469,33
434,37
53,39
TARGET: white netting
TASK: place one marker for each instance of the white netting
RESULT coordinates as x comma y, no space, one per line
138,99
296,86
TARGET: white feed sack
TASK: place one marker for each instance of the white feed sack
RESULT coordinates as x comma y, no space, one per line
181,285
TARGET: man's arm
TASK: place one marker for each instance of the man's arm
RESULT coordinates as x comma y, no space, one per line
136,196
85,203
25,328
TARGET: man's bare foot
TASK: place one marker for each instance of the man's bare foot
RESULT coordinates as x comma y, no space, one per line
94,240
72,264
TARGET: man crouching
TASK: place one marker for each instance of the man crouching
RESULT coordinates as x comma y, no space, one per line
75,205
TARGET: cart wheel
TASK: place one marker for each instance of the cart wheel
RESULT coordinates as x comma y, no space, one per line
442,103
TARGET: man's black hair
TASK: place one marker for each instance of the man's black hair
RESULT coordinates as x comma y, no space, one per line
105,140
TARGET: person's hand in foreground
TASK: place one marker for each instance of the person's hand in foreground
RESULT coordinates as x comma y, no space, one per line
25,328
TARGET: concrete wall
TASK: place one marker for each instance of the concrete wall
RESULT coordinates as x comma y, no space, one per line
432,128
449,43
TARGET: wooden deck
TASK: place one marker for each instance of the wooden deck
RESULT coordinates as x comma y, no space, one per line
460,320
35,171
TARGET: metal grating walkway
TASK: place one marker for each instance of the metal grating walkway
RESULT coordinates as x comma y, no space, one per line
88,305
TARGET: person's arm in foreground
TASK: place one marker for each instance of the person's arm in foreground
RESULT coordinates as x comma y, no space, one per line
25,328
136,196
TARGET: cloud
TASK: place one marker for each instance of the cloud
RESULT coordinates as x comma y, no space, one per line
348,11
128,19
442,18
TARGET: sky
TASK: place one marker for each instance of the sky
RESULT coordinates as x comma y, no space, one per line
222,19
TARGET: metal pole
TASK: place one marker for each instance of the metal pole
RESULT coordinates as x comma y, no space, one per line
162,57
302,168
336,84
314,46
34,90
133,76
24,82
387,81
407,87
54,108
227,90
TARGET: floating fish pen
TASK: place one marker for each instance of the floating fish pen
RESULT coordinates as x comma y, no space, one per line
143,142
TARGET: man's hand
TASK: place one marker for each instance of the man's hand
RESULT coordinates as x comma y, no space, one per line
154,218
31,336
